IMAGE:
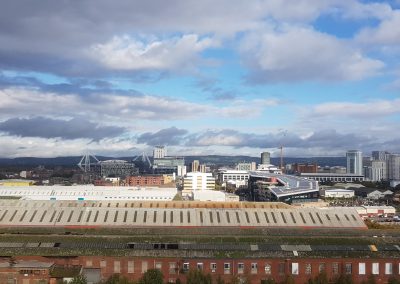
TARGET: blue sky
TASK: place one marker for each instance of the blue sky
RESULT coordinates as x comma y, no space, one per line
201,77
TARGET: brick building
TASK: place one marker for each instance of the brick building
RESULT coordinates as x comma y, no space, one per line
146,180
305,168
253,270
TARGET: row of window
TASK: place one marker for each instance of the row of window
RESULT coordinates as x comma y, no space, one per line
295,268
267,268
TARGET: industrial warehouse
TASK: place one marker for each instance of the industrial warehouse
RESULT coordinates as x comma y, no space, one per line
163,214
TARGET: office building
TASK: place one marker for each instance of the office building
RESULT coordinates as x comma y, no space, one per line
375,171
246,166
379,155
195,166
159,152
354,162
393,167
265,158
238,178
169,165
198,181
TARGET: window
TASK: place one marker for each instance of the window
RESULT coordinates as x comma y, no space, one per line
375,268
172,268
281,268
348,267
131,266
321,267
335,268
254,268
227,268
185,266
199,266
361,268
158,265
213,267
295,268
267,268
388,268
144,266
240,268
89,263
117,267
308,269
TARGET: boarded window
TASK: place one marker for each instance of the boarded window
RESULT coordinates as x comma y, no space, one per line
131,266
117,266
308,269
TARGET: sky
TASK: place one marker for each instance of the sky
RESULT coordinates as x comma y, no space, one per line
220,77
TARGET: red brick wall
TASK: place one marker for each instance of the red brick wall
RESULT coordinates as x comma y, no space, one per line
108,268
150,180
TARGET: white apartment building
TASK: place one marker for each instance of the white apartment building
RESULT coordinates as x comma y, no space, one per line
198,181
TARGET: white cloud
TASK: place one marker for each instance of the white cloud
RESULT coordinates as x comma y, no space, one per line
360,110
127,53
303,54
386,33
41,147
121,110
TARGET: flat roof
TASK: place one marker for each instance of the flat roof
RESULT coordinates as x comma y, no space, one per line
329,175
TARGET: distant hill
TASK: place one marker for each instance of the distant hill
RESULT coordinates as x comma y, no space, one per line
210,159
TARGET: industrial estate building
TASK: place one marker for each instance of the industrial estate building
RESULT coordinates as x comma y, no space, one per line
88,192
125,213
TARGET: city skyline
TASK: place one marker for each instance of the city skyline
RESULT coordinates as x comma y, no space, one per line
202,78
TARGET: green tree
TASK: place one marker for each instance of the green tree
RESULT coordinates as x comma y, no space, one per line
220,280
79,279
321,278
393,280
118,279
370,280
152,276
198,277
268,281
343,279
288,280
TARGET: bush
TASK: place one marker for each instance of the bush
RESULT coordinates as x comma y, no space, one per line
152,276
